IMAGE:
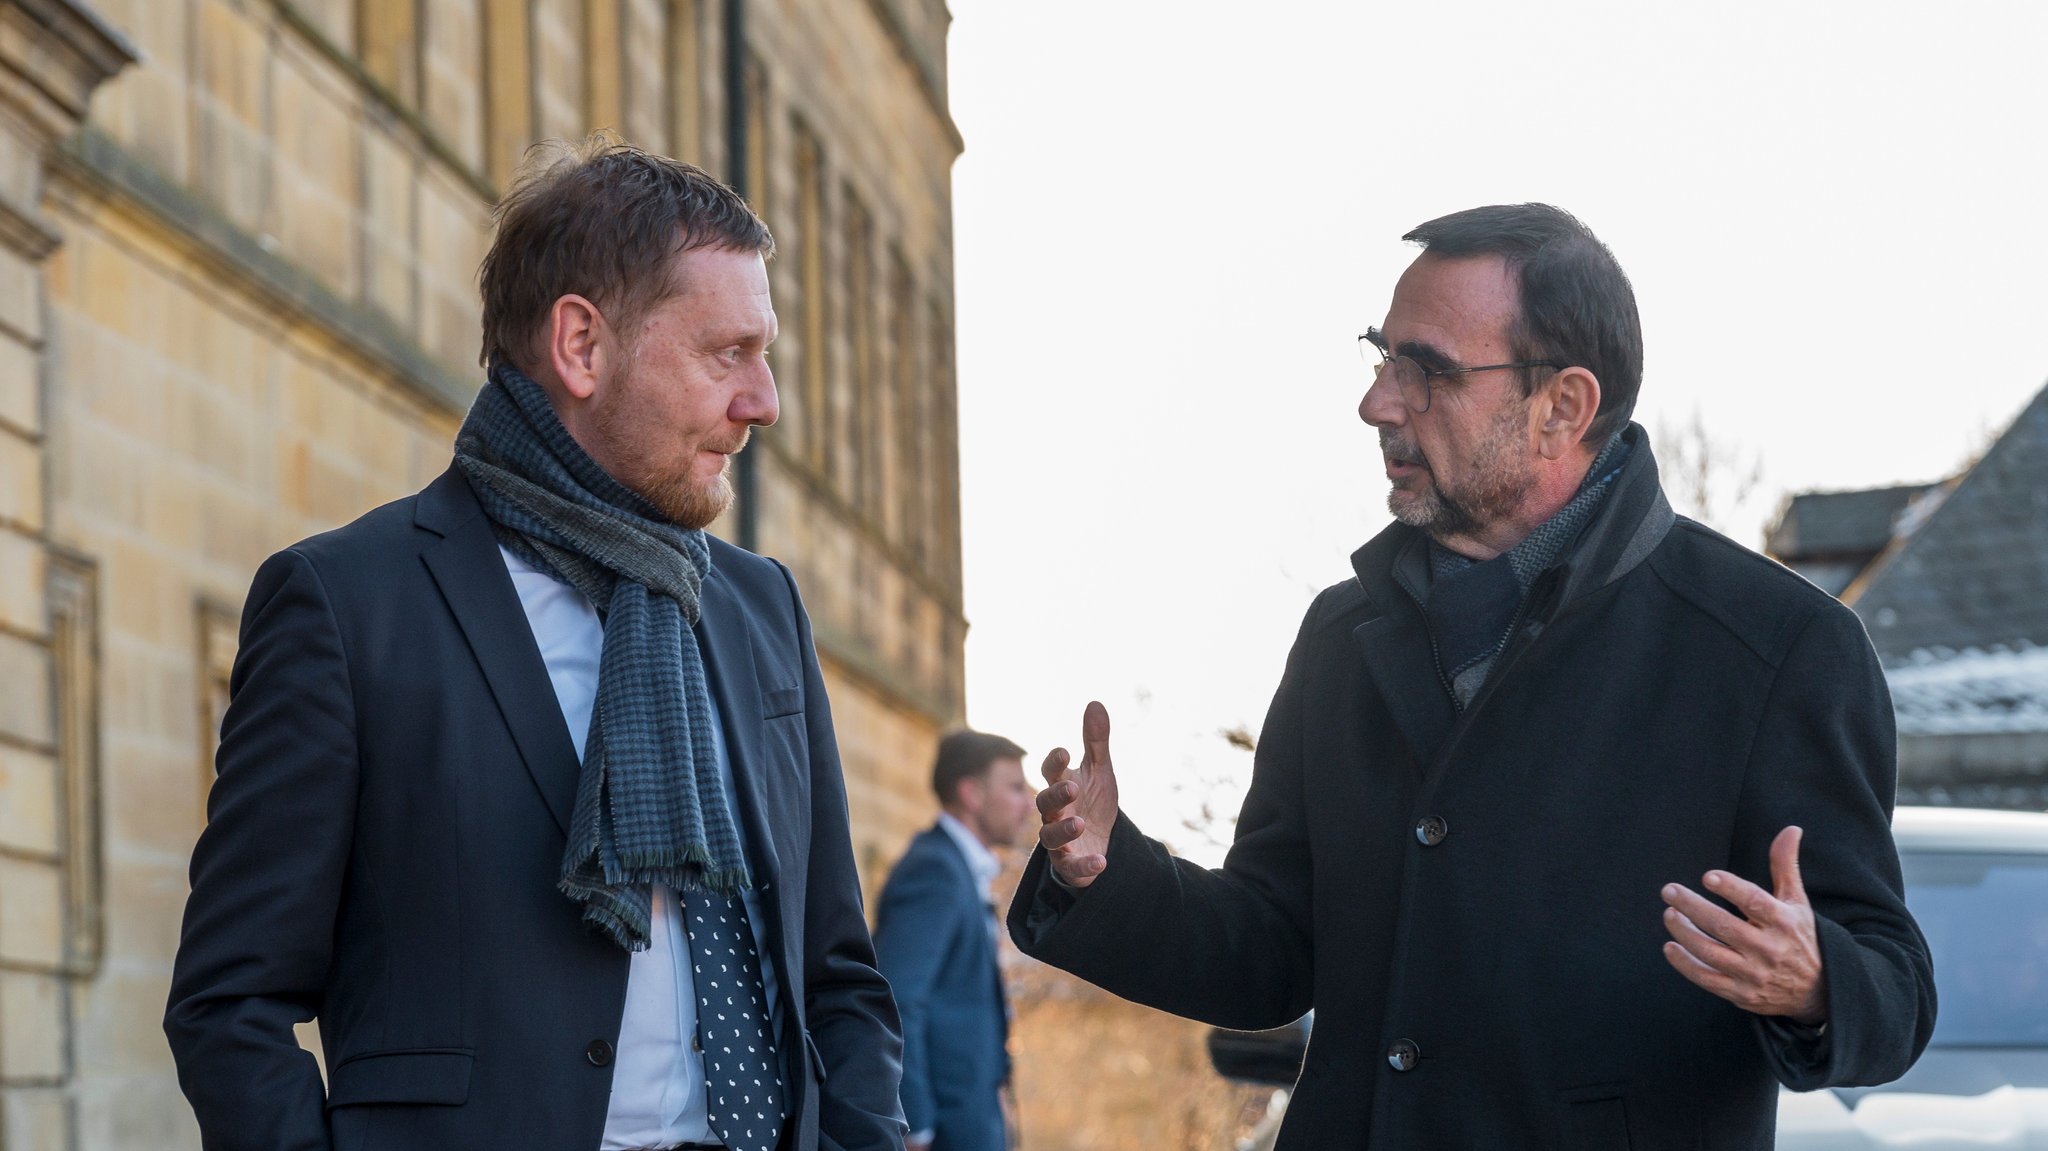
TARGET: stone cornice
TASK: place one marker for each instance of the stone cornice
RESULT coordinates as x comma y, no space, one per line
53,53
931,77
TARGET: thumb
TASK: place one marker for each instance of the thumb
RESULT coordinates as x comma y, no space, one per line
1785,867
1095,734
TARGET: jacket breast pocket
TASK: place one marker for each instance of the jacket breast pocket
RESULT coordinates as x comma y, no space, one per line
1595,1118
437,1075
780,701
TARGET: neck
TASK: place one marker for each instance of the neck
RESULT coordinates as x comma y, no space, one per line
967,821
1555,483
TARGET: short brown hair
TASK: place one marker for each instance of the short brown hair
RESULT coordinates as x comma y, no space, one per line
964,755
603,220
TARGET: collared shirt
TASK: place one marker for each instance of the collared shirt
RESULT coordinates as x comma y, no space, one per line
658,1093
981,862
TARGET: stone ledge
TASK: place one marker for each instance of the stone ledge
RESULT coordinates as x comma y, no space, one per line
98,163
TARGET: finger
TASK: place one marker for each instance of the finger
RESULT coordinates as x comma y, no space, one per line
1699,974
1760,907
1078,869
1095,733
1055,765
1702,946
1055,799
1061,832
1711,918
1785,866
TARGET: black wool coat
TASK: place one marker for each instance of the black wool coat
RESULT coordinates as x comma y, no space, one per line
1470,901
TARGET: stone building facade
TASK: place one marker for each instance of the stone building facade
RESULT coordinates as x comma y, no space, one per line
238,246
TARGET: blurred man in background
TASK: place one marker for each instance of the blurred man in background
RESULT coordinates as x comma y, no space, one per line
935,938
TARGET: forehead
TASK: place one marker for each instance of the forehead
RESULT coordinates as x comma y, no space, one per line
722,286
1462,306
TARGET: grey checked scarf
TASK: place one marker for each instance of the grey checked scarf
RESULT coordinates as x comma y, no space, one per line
1473,606
650,803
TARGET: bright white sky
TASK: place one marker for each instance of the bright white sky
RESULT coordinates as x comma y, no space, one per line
1174,218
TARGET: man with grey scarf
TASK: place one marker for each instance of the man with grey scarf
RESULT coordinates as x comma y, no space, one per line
528,789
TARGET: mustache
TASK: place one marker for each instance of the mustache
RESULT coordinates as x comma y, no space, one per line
734,447
1395,447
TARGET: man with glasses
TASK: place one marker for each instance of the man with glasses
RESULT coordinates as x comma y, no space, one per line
1570,817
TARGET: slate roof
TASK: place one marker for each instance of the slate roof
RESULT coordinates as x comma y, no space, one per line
1974,573
1826,524
1942,692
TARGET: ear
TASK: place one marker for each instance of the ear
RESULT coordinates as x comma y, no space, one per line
1571,400
579,346
971,794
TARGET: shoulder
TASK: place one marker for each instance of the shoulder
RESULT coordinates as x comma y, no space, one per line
1337,608
759,581
1756,600
368,547
926,864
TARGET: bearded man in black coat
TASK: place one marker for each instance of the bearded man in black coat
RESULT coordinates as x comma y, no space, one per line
1570,818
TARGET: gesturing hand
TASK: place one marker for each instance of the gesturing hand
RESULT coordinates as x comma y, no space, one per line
1078,806
1767,962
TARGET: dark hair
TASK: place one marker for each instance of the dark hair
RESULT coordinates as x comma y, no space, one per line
964,755
603,220
1577,305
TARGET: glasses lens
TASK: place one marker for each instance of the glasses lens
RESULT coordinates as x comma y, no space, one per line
1414,385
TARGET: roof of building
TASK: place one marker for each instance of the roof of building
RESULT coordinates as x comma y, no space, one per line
1974,572
1971,692
1816,524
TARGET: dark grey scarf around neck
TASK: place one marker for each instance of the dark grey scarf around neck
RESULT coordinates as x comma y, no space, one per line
650,802
1472,606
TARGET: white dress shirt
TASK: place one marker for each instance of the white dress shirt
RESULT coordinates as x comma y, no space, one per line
981,862
658,1094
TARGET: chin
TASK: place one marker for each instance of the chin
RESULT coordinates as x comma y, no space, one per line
694,506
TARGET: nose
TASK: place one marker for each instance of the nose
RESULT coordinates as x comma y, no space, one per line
756,402
1382,405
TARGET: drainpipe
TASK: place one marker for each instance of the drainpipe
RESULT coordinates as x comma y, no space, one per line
746,475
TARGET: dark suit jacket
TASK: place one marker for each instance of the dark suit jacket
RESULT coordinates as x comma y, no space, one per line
385,834
932,936
1669,704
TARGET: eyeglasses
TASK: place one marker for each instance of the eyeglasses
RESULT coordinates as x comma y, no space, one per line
1412,378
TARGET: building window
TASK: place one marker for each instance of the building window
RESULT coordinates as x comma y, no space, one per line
73,591
853,403
907,440
814,369
757,135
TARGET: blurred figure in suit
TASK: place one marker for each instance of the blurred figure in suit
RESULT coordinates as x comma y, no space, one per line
935,937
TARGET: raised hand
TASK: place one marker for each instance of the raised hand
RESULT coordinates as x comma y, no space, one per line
1077,809
1768,961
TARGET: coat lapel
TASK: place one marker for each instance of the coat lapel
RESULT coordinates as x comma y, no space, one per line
729,663
1396,648
471,574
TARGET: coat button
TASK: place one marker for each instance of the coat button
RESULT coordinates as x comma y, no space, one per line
1403,1055
1431,829
599,1053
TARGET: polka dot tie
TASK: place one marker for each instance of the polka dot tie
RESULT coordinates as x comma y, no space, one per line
742,1083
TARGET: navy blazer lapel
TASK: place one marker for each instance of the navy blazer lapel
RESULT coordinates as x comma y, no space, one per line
729,664
474,582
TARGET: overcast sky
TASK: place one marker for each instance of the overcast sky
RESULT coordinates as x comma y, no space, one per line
1174,218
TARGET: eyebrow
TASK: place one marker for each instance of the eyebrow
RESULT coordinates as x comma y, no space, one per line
1431,357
